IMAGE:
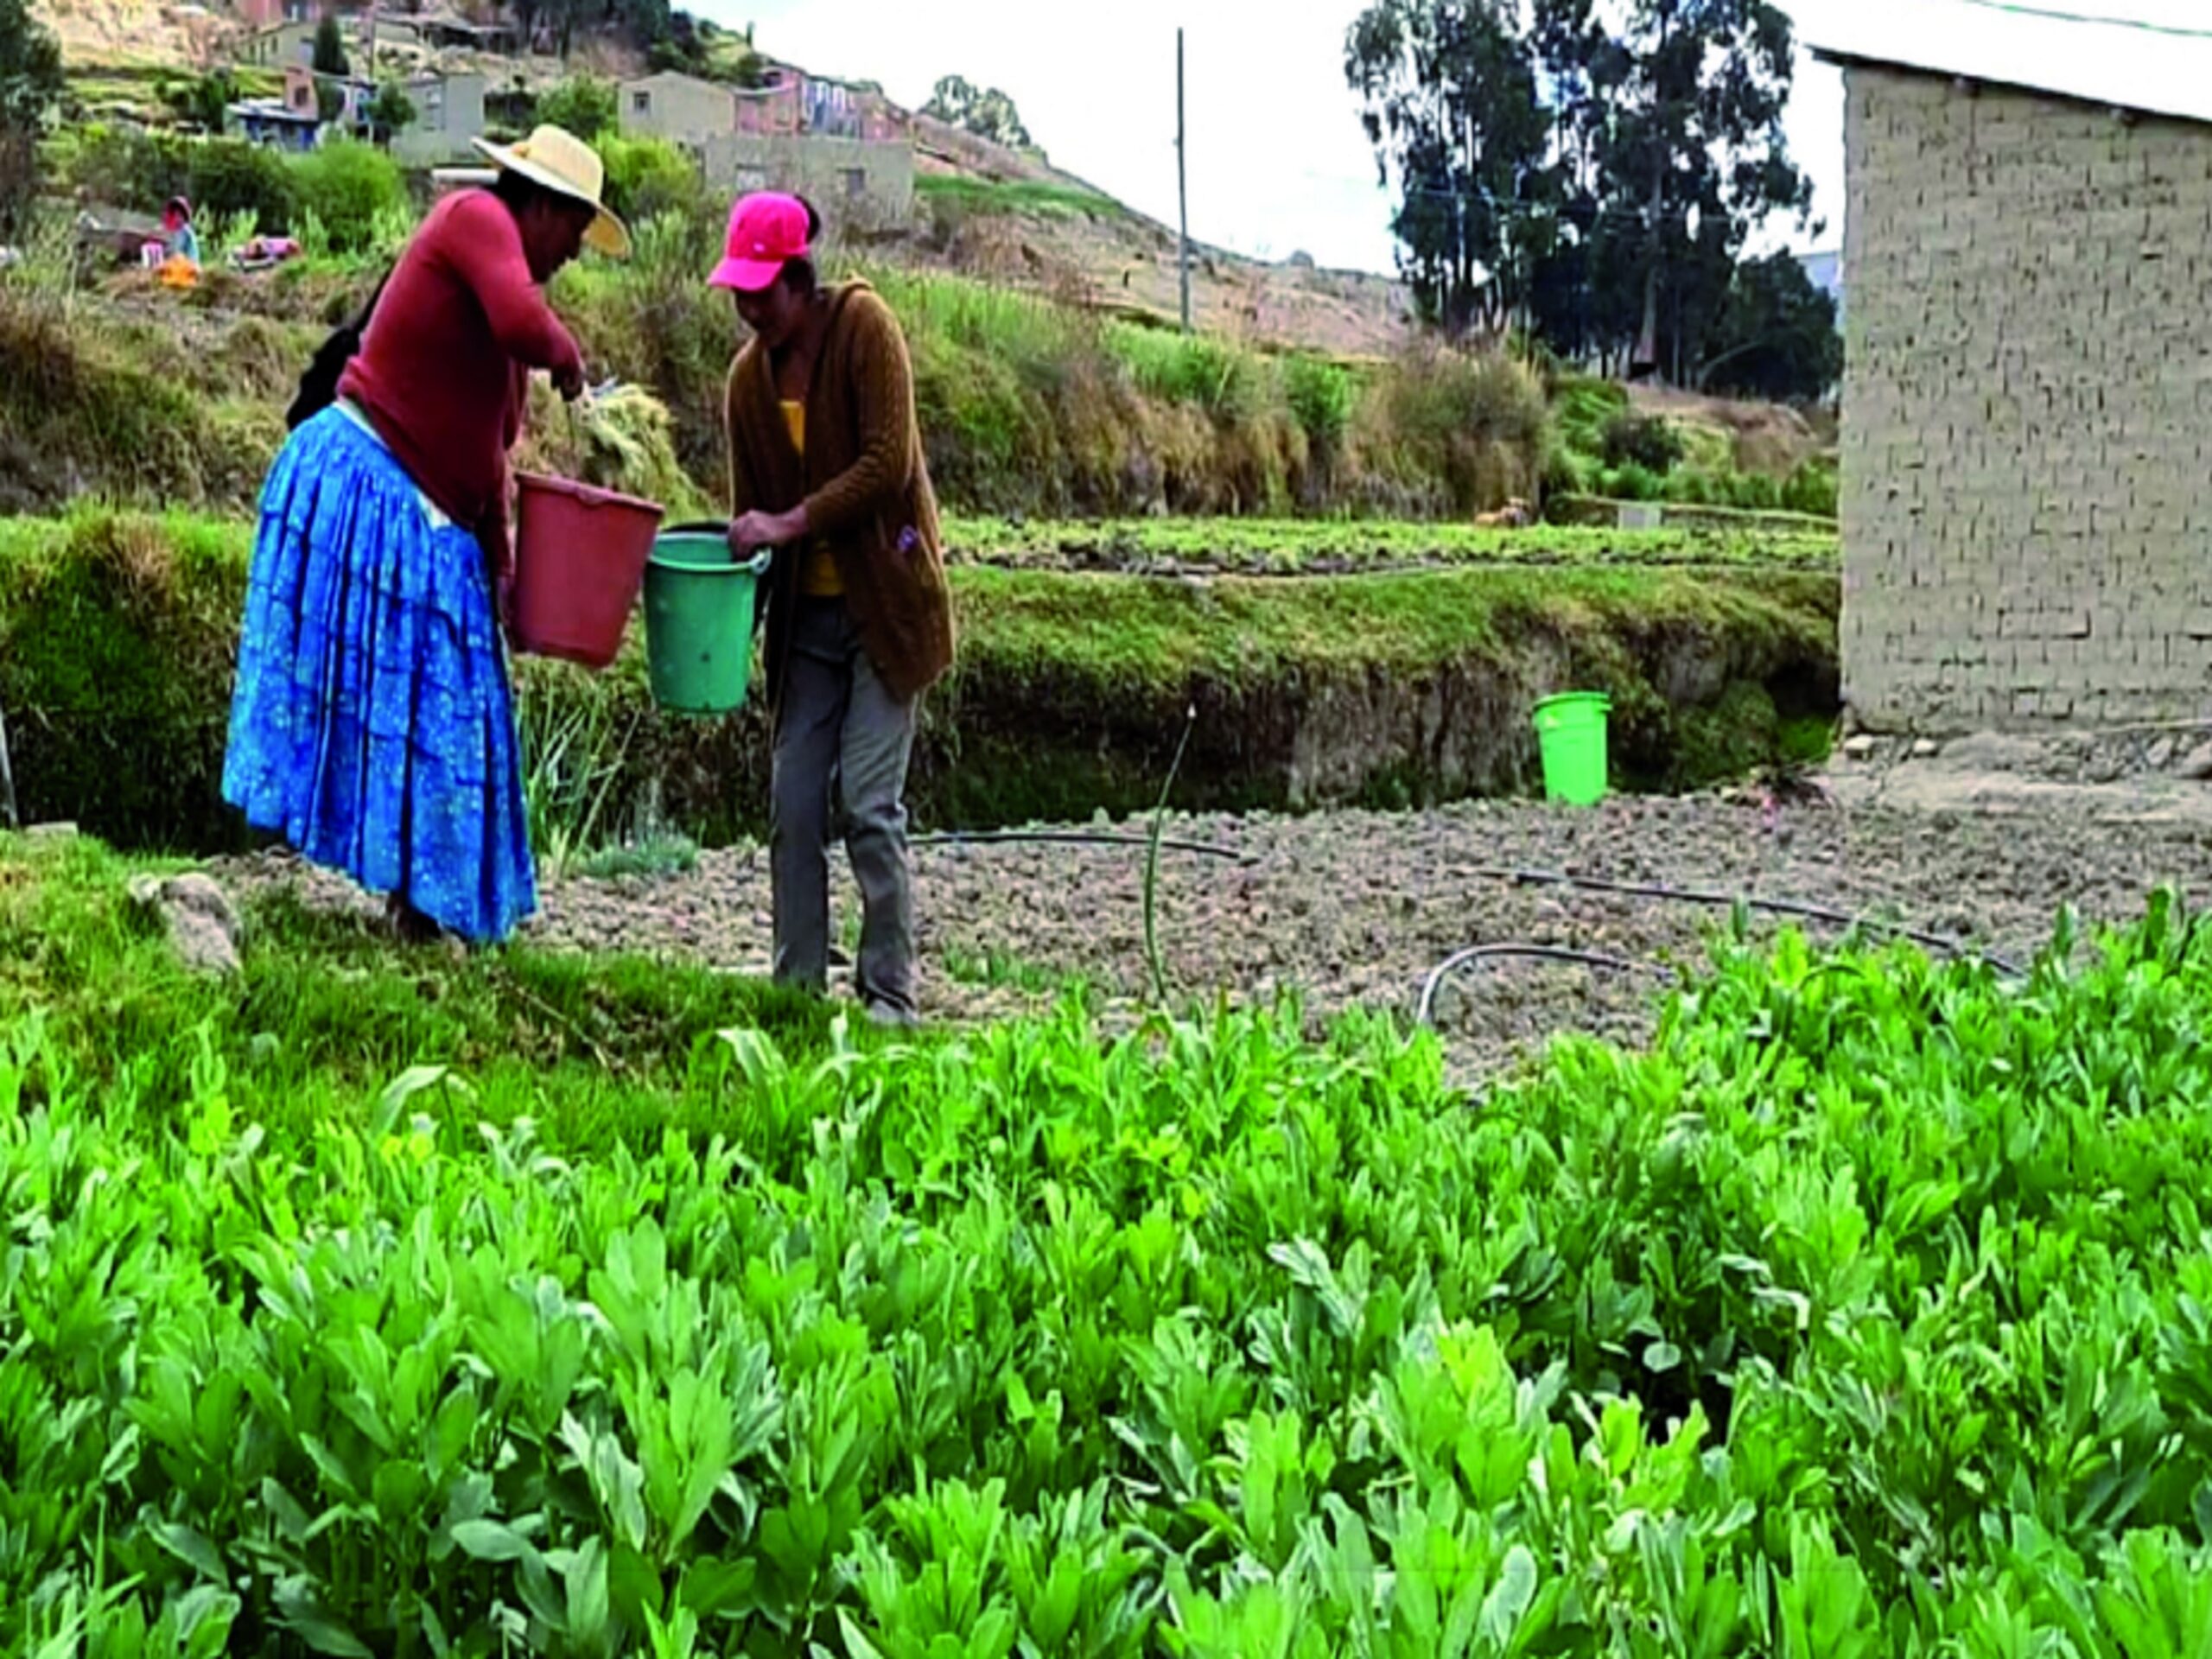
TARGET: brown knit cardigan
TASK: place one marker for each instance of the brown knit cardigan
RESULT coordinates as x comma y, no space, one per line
866,487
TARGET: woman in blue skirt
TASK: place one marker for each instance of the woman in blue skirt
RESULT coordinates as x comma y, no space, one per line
373,724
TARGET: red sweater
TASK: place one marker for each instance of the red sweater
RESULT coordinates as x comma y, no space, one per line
443,372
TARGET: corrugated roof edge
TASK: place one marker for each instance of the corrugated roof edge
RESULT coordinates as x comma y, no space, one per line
2170,74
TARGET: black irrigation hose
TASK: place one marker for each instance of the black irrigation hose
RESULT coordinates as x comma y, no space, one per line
1082,838
1475,953
1775,907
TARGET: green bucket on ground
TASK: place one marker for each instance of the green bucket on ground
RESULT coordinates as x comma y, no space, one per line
699,621
1571,732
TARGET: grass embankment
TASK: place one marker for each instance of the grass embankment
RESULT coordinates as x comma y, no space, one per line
594,1049
1863,1318
1027,406
116,637
1031,406
138,406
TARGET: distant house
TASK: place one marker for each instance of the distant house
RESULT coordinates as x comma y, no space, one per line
841,176
270,121
452,32
303,91
448,115
262,14
788,104
845,146
277,45
772,110
2027,403
680,109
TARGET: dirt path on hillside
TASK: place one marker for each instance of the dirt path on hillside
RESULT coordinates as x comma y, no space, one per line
1357,908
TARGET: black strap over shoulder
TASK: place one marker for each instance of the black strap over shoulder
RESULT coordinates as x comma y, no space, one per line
319,386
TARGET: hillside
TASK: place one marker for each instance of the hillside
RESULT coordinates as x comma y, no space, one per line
1118,258
983,210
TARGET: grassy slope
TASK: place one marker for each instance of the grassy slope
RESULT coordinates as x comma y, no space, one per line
326,1013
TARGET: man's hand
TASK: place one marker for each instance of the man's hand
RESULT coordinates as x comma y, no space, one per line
568,380
754,530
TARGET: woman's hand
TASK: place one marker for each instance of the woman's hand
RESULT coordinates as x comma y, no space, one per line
753,530
568,380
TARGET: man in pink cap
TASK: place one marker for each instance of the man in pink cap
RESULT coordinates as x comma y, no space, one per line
826,467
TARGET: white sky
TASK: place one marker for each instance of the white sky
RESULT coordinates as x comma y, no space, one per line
1278,161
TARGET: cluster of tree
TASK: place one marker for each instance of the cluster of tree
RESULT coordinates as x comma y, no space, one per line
30,91
670,38
1590,171
987,114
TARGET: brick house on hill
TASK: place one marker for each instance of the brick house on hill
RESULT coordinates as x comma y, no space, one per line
2027,407
847,146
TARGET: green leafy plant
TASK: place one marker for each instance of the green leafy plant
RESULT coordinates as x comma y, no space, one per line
1207,1337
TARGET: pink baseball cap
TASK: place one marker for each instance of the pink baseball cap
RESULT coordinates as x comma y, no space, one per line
766,230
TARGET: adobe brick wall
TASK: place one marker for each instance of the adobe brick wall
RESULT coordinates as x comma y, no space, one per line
2027,411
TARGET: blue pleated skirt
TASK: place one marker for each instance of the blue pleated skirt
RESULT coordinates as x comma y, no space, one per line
373,724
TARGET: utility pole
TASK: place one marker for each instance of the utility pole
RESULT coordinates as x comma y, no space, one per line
1183,181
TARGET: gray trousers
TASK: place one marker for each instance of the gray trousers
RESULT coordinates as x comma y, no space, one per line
838,728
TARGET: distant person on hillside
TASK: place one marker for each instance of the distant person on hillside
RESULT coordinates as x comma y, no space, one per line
826,468
178,238
373,725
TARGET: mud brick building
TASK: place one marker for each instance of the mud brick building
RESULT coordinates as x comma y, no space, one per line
2027,409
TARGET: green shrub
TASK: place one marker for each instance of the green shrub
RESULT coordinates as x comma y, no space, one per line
1582,406
137,169
1228,385
350,189
1633,482
648,178
1756,492
1569,472
141,170
584,105
1697,488
1811,488
1475,426
1321,396
233,178
1645,440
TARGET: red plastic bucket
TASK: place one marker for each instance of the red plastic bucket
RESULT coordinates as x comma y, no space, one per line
580,558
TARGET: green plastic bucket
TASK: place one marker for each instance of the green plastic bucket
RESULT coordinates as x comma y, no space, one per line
699,621
1571,732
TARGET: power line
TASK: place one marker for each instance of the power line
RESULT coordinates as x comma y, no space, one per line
2143,25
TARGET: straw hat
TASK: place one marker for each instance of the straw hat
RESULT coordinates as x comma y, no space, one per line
564,164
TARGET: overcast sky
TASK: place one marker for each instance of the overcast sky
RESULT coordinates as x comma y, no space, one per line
1278,161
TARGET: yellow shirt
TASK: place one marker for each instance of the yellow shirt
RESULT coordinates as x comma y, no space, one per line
818,579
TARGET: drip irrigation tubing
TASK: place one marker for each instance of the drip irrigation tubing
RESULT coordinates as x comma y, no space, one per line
1750,901
1475,953
1079,838
1454,963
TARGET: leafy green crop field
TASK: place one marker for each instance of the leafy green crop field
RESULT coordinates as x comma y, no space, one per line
1868,1314
1309,547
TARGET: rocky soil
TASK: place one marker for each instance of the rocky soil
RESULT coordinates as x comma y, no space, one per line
1357,908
